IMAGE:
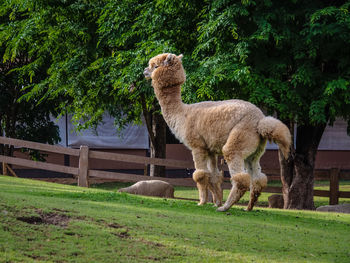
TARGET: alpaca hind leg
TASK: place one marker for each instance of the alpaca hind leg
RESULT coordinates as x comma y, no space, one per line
258,179
257,184
215,180
202,180
240,181
242,142
216,189
256,187
201,174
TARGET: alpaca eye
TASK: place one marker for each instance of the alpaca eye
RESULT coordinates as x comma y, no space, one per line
156,66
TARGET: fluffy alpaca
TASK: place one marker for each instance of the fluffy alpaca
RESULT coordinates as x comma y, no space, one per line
276,201
150,188
236,129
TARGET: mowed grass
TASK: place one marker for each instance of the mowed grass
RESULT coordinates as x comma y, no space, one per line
46,222
192,192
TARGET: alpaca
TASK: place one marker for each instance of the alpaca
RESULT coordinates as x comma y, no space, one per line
150,188
276,201
236,129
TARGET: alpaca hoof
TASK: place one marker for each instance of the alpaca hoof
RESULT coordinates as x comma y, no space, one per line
201,203
221,209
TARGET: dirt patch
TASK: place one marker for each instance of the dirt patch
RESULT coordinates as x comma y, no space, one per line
123,234
34,220
46,218
115,225
151,243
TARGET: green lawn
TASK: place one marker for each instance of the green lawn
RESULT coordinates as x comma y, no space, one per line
192,193
45,222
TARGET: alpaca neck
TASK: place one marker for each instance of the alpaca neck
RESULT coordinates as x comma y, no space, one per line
172,106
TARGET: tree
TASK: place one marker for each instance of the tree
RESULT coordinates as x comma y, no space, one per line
97,51
288,57
20,118
145,29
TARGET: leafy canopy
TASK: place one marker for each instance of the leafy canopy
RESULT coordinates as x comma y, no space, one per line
288,56
19,69
97,51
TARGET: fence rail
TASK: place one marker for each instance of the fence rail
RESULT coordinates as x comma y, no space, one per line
140,159
84,173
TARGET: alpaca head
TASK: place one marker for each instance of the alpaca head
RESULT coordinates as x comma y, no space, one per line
165,70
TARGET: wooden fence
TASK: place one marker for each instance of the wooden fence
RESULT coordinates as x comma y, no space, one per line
83,172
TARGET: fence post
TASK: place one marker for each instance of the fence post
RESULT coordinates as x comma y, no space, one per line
334,186
4,169
83,179
145,170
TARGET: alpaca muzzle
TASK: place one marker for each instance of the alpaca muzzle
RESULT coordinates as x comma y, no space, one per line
147,73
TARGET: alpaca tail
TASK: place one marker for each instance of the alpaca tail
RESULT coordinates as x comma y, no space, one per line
274,130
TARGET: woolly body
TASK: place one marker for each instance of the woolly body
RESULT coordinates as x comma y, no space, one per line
236,129
150,188
276,201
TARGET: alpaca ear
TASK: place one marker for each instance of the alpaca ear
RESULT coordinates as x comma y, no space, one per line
180,57
169,59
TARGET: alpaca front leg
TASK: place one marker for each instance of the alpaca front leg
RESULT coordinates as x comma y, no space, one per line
201,177
216,189
215,180
240,184
201,174
213,195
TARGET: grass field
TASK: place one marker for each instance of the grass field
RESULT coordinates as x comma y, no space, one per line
192,193
45,222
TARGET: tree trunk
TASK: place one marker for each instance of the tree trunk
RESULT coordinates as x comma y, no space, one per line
287,172
297,172
156,128
158,146
2,147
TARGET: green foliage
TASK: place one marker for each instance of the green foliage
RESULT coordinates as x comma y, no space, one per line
288,57
293,54
21,69
97,51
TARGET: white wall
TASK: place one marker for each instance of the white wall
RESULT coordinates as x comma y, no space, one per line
334,138
136,137
106,136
